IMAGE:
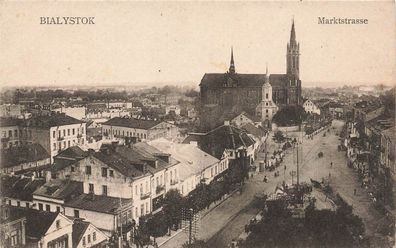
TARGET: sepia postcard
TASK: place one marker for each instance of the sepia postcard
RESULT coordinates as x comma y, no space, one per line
197,124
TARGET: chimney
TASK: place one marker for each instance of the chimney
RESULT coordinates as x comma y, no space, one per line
226,123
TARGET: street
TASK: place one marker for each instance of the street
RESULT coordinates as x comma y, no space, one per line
227,221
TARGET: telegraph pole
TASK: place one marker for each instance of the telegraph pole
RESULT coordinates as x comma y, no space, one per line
298,171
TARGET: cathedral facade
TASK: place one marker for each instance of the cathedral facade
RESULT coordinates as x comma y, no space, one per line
232,92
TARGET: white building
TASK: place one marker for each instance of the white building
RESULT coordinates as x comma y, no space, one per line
267,108
196,165
311,107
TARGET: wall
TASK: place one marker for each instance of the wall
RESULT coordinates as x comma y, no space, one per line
100,220
99,237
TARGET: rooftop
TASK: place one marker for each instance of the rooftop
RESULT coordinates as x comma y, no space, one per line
79,228
9,122
131,123
193,160
98,203
216,141
68,157
60,189
20,188
17,155
52,120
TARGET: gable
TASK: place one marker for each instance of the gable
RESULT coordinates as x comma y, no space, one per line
63,223
94,233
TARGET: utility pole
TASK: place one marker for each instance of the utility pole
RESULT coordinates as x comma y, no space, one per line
298,171
190,226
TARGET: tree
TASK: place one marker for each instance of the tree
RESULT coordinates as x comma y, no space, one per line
290,116
279,137
173,204
157,226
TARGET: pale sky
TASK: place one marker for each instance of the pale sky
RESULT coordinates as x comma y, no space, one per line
145,42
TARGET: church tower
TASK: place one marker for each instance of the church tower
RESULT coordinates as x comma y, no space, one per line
266,108
293,55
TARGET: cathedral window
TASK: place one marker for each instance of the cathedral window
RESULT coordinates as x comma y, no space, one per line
266,95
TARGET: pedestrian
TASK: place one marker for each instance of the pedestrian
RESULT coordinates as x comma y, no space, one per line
354,192
329,174
331,164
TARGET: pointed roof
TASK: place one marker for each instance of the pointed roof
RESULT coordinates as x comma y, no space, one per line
266,75
293,34
232,65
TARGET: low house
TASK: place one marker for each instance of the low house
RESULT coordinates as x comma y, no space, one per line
25,158
105,212
18,190
310,107
54,194
139,128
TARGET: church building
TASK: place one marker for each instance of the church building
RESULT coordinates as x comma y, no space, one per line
232,92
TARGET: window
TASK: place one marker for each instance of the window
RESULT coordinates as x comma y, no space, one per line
53,175
111,173
211,172
64,144
48,208
72,169
18,203
91,188
82,130
59,133
88,170
104,189
40,206
73,131
136,190
58,224
142,209
16,133
104,172
83,241
68,143
94,236
89,238
9,202
141,189
27,205
147,208
58,209
266,95
68,132
10,133
137,212
54,145
64,132
76,213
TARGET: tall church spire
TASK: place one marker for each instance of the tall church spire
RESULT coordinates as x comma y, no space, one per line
293,54
292,34
232,65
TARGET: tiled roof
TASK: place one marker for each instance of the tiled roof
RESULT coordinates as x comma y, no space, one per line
79,228
257,132
98,203
60,189
52,120
22,154
20,188
131,123
13,214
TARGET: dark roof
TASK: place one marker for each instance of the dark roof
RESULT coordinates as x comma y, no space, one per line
13,214
131,123
9,122
68,157
20,188
368,106
119,163
79,228
98,203
221,138
37,222
256,131
217,80
22,154
60,189
52,120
